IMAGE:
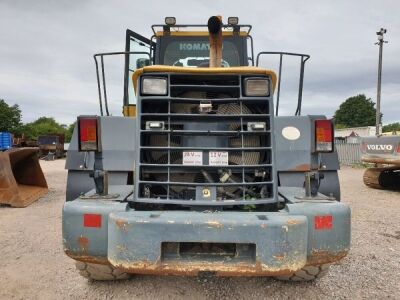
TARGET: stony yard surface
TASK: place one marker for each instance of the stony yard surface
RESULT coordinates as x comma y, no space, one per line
33,265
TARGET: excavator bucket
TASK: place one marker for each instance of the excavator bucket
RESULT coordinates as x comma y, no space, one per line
21,178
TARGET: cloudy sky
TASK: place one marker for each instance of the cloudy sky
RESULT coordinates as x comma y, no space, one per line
46,48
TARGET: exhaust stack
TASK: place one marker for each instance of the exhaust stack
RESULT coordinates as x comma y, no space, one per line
215,30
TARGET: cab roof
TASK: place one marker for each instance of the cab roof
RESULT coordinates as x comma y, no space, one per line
198,29
231,70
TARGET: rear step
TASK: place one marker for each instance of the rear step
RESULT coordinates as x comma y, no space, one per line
232,252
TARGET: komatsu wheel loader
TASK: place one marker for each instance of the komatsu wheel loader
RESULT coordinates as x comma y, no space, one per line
201,175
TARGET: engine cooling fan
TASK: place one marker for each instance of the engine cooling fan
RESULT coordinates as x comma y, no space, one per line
235,157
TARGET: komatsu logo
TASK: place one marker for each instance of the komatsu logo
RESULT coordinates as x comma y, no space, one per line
380,147
194,46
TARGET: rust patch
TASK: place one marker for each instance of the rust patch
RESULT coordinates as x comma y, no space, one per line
279,257
83,242
215,224
192,268
302,168
87,258
377,160
319,257
121,224
293,222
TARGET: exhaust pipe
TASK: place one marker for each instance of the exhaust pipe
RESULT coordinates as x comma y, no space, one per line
215,35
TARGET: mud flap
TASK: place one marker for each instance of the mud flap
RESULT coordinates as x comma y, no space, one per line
21,178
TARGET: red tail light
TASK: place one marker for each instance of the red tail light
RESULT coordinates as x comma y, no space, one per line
323,136
398,148
88,133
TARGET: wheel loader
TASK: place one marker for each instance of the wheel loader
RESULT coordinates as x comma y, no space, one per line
384,153
201,175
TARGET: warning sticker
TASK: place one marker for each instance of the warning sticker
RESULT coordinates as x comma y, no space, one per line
192,158
218,158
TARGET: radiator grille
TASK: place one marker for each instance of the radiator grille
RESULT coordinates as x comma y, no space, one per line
202,144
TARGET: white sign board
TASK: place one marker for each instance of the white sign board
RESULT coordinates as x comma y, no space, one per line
218,158
192,158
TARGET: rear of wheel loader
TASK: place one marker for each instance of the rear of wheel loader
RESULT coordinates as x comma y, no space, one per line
205,179
21,178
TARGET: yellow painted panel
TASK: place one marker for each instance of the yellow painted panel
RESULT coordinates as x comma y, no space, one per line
129,111
186,70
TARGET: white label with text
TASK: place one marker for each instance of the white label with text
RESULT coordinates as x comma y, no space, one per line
218,158
192,158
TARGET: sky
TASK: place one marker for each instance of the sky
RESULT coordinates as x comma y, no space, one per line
47,47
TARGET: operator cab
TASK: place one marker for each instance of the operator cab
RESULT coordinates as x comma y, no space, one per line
184,46
188,46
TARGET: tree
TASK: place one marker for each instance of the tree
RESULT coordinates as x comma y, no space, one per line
356,111
42,126
10,117
391,127
69,132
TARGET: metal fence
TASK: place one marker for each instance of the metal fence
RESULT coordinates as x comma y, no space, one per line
348,153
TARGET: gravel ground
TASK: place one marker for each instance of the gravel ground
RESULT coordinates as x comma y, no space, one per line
33,265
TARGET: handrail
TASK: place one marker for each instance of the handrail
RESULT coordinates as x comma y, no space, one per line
103,76
303,59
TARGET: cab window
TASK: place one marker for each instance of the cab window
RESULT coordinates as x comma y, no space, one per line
194,52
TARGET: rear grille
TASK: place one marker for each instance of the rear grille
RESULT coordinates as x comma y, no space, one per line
202,144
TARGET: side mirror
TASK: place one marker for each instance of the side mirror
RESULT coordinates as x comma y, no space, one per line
142,62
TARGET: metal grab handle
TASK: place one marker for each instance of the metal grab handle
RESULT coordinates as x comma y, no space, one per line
103,76
303,59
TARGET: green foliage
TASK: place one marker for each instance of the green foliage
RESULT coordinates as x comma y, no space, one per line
356,111
43,126
10,120
391,127
69,131
10,117
339,126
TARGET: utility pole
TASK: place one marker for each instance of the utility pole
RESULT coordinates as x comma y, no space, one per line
380,42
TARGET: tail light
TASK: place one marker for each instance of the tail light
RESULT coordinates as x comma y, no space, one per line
324,136
88,135
398,148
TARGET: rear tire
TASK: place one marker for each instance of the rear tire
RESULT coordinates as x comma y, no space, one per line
100,272
307,273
